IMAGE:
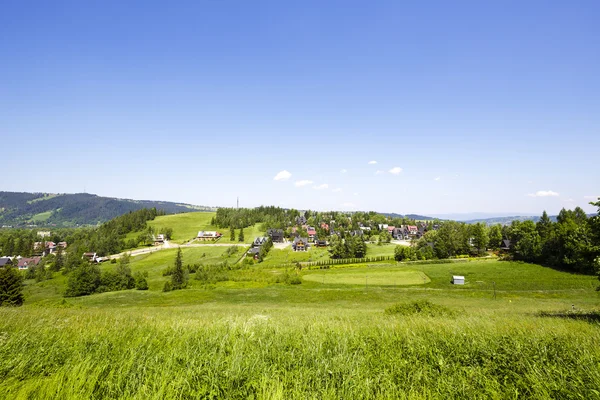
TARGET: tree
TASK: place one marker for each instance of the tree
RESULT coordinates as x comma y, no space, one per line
84,280
231,233
544,226
337,249
359,247
241,235
481,239
179,278
59,260
384,237
11,287
140,280
495,236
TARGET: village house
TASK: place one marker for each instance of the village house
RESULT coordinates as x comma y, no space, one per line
4,261
321,243
276,235
412,230
400,233
208,235
300,244
159,240
506,245
312,233
301,220
259,241
26,262
91,257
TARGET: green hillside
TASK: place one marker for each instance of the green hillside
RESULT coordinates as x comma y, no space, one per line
186,227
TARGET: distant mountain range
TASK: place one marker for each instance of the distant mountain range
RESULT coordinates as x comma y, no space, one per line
409,216
64,210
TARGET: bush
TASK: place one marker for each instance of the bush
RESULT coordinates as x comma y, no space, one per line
167,287
113,261
140,280
295,280
420,307
84,280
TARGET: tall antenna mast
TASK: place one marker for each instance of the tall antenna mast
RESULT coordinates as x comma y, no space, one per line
238,203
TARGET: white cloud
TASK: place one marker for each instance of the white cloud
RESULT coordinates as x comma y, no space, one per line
395,171
591,197
437,178
344,171
303,183
543,193
282,176
379,172
372,162
321,187
356,194
337,190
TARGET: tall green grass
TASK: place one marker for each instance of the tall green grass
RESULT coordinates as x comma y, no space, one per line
190,353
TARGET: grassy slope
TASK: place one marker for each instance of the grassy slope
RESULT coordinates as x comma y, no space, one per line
313,340
187,225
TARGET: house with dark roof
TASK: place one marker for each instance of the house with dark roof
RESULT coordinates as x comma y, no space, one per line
253,252
400,233
300,244
4,261
276,235
321,243
301,220
259,241
91,257
506,245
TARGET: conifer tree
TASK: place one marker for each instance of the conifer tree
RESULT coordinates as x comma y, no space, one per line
179,278
11,287
241,235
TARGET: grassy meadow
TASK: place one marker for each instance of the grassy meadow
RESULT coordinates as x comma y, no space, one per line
255,336
187,225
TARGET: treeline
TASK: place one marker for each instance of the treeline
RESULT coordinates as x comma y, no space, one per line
271,217
571,243
351,247
109,238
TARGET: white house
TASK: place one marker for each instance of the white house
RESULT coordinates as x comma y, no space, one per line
458,280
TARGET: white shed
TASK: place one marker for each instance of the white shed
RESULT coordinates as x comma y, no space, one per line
458,280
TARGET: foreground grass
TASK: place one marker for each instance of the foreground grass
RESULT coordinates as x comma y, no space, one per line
197,352
251,338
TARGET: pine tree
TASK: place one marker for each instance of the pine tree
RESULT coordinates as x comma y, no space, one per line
241,235
232,233
11,287
179,278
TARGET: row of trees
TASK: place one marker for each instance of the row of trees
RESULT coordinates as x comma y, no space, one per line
351,247
86,279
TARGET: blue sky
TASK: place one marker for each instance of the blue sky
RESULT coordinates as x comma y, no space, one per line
472,106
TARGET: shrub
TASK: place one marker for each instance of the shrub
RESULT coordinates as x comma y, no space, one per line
420,307
140,280
167,287
84,280
295,280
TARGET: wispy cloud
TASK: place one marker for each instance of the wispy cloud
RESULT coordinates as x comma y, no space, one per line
321,187
337,190
437,178
356,194
344,171
395,171
282,176
303,183
591,197
379,172
543,193
372,162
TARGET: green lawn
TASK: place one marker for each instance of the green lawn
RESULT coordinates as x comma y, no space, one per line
326,338
369,276
278,257
373,250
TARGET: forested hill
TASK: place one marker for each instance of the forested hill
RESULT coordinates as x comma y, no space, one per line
62,210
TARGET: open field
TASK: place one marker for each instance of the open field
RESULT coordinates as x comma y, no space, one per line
187,225
252,337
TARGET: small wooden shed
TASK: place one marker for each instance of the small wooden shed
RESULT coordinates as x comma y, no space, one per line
458,280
